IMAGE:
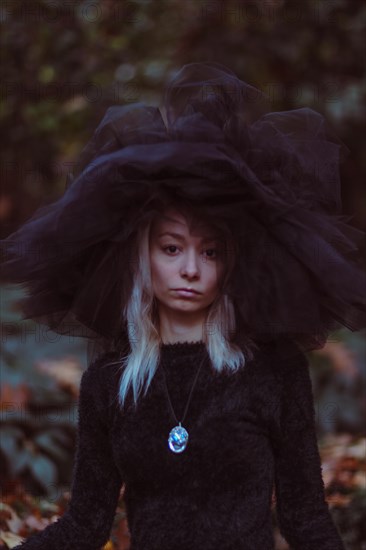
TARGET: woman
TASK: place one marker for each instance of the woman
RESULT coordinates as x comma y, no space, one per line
200,404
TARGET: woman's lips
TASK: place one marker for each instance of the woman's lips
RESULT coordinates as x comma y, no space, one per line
187,293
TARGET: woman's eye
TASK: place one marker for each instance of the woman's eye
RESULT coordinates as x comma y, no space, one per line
170,246
210,250
214,250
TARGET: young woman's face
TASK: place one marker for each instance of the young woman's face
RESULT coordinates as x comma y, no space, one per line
181,260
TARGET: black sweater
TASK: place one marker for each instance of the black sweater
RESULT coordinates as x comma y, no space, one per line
249,432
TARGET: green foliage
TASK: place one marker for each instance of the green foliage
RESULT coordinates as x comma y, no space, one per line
38,420
340,397
66,62
351,521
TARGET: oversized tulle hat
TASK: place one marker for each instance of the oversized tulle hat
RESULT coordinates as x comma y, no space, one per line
272,176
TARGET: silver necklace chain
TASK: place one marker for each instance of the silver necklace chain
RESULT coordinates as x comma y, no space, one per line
178,436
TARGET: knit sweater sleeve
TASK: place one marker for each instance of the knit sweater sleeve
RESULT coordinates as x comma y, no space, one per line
96,481
302,511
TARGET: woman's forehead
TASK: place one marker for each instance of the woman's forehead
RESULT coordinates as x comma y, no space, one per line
180,221
183,220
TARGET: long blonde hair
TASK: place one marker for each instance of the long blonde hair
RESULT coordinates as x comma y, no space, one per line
142,322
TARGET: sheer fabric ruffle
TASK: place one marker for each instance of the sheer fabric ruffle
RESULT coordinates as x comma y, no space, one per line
273,176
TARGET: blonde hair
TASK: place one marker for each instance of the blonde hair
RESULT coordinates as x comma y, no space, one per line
142,322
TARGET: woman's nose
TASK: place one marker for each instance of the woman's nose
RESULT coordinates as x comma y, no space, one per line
190,265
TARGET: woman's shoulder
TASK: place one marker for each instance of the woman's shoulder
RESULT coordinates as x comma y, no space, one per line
102,370
99,381
103,360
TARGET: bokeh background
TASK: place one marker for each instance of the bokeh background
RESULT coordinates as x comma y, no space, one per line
63,63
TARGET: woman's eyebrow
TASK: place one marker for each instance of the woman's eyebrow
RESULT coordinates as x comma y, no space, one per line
181,238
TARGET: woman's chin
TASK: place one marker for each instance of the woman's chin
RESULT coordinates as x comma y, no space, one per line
181,305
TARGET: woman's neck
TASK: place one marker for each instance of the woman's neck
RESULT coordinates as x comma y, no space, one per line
175,326
172,332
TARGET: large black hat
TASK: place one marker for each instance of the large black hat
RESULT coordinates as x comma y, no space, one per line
273,176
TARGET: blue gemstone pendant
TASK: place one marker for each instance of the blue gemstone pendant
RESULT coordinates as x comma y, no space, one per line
178,439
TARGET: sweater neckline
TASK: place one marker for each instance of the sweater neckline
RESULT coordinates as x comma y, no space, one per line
182,345
182,349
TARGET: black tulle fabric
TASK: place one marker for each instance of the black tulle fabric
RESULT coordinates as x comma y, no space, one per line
273,176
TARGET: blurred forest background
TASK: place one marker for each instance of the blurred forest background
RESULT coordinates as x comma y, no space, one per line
63,63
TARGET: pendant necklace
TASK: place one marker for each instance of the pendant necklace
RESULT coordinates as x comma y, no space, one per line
178,436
